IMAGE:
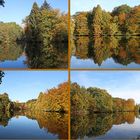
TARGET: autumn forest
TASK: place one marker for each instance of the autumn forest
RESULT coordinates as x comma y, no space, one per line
123,20
42,29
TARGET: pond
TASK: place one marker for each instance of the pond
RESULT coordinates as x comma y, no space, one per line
105,52
14,55
106,126
33,125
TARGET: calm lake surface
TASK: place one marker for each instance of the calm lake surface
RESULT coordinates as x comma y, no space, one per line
106,126
105,52
30,125
13,55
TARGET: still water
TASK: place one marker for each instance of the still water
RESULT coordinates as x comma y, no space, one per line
31,125
105,52
106,126
13,55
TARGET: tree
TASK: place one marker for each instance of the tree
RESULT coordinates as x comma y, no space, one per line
2,2
133,21
103,101
90,100
97,21
32,22
123,9
1,76
45,5
81,24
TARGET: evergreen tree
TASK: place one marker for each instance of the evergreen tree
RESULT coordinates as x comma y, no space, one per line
97,21
33,21
45,5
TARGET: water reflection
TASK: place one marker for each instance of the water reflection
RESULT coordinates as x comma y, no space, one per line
105,125
52,56
13,55
105,52
32,124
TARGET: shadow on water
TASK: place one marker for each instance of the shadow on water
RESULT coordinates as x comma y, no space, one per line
105,52
33,55
105,126
49,125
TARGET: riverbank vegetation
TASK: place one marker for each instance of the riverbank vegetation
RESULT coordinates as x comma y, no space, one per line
123,50
123,20
96,100
43,35
54,100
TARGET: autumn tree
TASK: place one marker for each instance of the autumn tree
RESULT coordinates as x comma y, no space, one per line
92,99
81,23
123,20
133,21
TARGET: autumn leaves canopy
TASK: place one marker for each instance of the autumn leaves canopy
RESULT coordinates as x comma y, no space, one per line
91,100
123,20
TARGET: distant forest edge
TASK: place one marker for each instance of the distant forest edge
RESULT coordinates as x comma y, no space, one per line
123,20
96,100
54,100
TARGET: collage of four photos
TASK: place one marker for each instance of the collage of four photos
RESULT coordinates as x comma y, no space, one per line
70,69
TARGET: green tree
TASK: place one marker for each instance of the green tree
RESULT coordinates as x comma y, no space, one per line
32,22
45,5
81,24
97,20
121,9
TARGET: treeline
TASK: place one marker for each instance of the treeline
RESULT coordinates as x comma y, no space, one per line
9,32
6,105
54,100
123,20
89,100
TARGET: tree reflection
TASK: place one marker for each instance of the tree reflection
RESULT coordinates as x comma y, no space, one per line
123,50
94,125
10,51
52,56
54,123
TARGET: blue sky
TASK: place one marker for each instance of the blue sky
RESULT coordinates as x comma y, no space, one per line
16,10
123,84
86,5
25,85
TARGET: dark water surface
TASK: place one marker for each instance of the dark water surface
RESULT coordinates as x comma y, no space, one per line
13,55
31,125
106,126
105,52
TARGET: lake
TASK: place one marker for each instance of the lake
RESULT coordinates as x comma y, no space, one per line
106,126
33,125
13,55
105,52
